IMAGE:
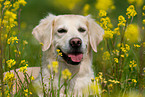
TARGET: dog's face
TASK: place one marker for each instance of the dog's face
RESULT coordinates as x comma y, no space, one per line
71,34
71,37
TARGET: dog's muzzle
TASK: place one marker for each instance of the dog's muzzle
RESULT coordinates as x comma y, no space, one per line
75,54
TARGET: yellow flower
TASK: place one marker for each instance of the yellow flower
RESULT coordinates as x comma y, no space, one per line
26,90
134,80
102,13
7,4
22,2
11,63
108,34
143,7
12,40
116,60
55,66
86,9
9,78
143,21
116,31
104,4
131,11
136,45
132,33
23,69
122,56
59,53
122,21
106,55
15,6
66,74
30,93
32,78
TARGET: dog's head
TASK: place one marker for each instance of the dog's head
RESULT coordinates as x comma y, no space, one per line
71,34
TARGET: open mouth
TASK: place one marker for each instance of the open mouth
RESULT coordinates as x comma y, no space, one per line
73,58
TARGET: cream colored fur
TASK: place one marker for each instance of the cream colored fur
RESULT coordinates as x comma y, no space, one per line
46,33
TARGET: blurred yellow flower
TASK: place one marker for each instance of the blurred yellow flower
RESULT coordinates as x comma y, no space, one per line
136,45
143,21
104,4
102,13
116,60
70,4
11,40
108,34
55,66
116,31
22,2
134,80
15,6
137,2
131,11
9,78
7,4
32,78
106,55
1,0
23,69
122,21
86,9
11,63
132,33
66,74
143,7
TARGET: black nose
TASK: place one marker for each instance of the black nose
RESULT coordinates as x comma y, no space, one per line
75,42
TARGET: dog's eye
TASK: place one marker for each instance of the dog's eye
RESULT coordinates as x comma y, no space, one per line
61,30
81,29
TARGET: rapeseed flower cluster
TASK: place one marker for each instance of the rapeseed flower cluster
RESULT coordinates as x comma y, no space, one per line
102,13
53,66
132,64
131,11
66,74
27,93
12,40
10,14
11,63
9,78
23,69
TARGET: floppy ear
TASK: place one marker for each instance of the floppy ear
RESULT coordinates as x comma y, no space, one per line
95,33
43,31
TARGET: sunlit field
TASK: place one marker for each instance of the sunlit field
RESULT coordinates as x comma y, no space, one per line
119,64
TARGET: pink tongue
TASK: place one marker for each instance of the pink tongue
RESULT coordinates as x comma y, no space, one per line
76,58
